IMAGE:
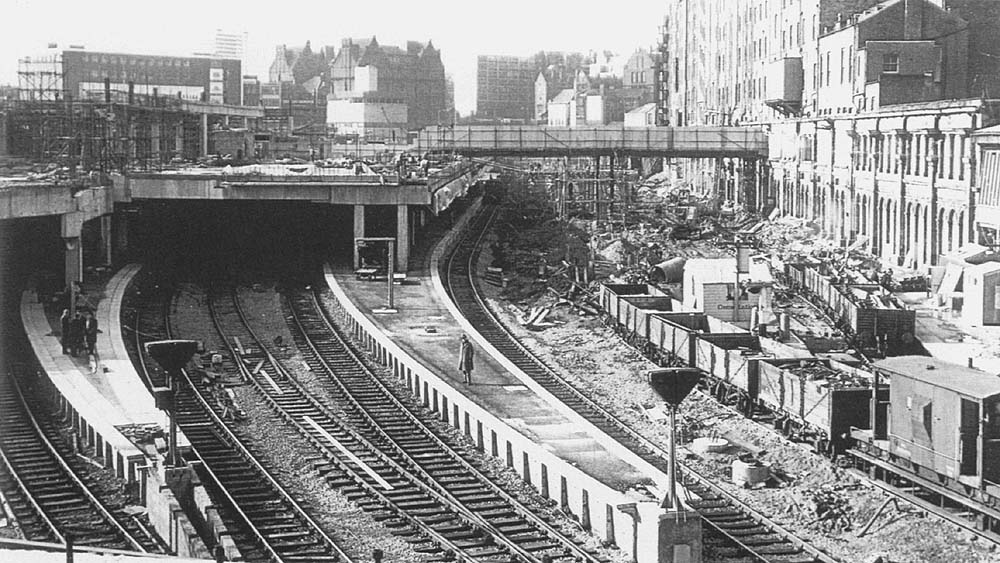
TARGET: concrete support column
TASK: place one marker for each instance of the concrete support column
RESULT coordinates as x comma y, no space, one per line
71,228
154,142
359,231
402,237
204,134
106,240
120,221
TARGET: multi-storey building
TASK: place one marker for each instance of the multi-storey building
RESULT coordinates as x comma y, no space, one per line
81,74
871,107
505,87
414,76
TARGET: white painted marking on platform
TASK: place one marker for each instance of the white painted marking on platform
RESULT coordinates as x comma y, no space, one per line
357,461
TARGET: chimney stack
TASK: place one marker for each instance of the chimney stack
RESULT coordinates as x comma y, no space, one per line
913,19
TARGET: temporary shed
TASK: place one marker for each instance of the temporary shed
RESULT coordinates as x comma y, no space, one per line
713,286
981,289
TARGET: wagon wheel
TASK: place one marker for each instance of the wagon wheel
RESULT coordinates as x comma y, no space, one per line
788,428
779,422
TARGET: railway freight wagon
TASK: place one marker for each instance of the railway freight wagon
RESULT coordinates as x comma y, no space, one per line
611,294
858,309
814,400
634,312
942,425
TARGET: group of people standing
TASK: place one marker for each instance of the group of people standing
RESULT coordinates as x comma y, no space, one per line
79,333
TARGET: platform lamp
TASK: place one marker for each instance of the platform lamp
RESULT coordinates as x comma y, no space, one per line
172,355
673,385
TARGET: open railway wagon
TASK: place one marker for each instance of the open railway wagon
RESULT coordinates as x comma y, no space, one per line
866,311
812,400
628,306
693,339
815,400
939,428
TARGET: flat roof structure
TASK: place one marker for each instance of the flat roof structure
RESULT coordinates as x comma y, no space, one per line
939,373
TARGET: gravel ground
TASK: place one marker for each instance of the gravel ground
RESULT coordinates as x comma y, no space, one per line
280,446
598,362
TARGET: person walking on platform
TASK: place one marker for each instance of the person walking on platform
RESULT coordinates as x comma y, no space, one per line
75,334
465,359
64,323
90,332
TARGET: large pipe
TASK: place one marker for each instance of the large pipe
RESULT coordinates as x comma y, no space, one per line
668,271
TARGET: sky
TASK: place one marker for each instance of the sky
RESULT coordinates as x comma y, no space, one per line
461,30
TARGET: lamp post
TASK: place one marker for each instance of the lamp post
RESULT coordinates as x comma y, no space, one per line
673,385
172,355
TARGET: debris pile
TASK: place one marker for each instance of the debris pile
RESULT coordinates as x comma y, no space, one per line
831,509
818,371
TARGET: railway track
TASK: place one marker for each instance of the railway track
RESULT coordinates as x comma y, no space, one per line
752,533
353,383
49,488
380,456
264,520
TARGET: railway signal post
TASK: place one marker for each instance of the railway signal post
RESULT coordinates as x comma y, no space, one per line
367,242
673,385
172,355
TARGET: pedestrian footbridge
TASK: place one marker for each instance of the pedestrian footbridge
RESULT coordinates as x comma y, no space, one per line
677,142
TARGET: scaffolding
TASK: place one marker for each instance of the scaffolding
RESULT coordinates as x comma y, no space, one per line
122,130
40,78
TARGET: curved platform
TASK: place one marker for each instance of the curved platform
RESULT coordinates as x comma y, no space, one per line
548,446
99,404
111,409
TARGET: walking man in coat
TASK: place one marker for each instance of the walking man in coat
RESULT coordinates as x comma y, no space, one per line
465,359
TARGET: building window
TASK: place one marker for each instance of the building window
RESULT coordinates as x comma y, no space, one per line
890,62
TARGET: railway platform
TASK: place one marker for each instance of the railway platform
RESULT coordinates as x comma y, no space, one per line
102,403
587,473
111,409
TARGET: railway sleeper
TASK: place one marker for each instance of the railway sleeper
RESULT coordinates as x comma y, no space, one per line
289,524
536,544
479,498
514,528
782,548
418,504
